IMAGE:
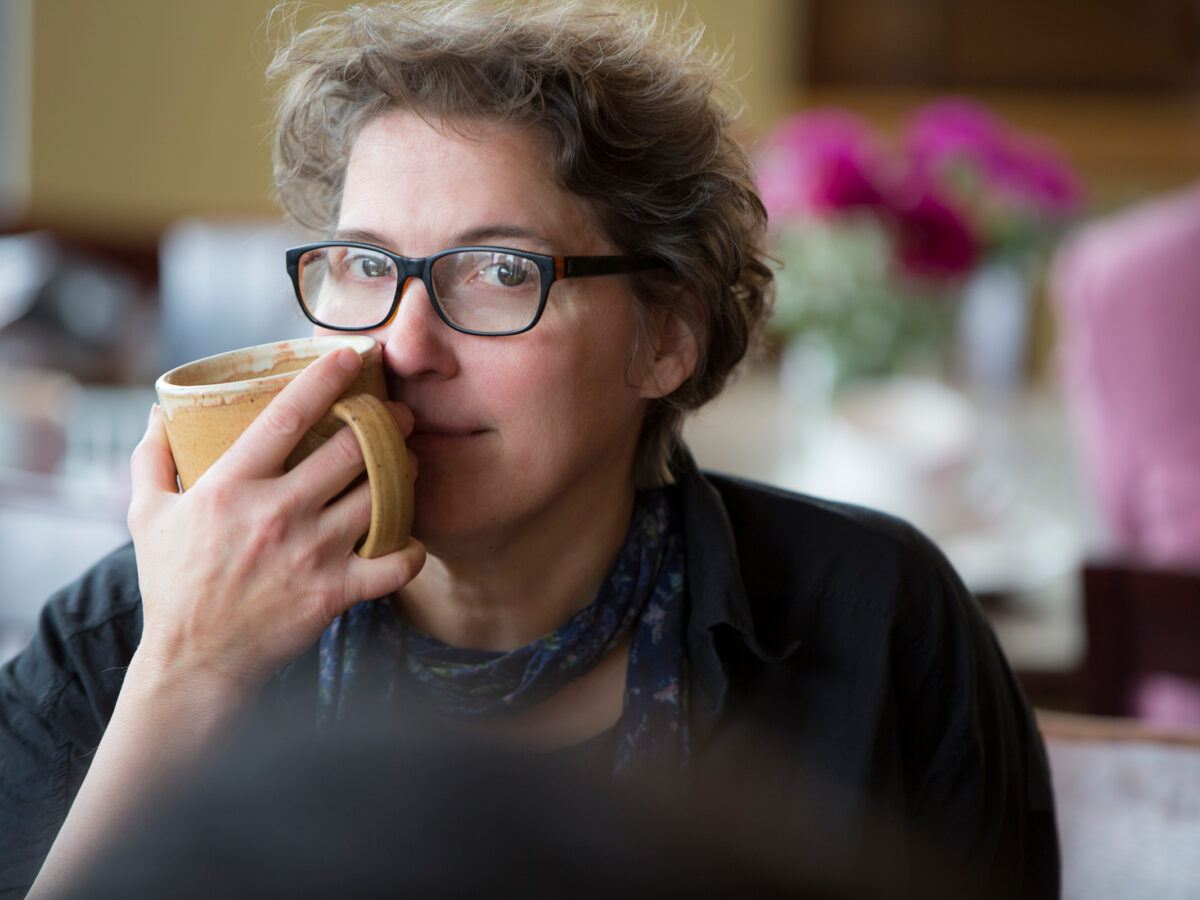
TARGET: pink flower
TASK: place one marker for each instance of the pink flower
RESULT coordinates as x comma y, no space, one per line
1038,174
954,128
962,182
933,241
963,143
819,162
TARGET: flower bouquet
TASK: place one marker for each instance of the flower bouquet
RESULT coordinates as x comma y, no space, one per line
876,238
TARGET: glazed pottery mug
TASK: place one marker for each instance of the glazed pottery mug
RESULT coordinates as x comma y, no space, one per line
210,401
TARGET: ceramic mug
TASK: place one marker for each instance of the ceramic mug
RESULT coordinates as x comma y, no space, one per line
209,402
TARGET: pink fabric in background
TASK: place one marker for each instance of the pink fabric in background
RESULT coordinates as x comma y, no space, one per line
1127,291
1167,700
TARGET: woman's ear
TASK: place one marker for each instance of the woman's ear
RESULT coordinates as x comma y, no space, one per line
672,355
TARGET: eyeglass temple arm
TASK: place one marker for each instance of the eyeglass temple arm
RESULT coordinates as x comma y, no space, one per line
583,266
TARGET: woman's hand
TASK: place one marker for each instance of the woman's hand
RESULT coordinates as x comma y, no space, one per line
245,570
238,576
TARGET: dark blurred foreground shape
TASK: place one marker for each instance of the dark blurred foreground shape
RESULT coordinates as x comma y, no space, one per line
376,811
381,811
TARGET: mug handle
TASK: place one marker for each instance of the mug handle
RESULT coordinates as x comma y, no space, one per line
387,471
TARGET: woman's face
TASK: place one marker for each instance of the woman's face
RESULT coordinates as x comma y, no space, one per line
517,433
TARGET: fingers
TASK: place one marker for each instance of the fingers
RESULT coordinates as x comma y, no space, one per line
266,443
328,470
346,519
331,468
384,575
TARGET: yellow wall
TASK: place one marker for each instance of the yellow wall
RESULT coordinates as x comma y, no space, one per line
764,39
148,110
145,110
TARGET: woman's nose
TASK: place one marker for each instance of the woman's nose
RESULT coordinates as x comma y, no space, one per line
416,341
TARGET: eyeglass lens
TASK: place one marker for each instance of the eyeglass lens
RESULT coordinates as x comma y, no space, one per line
483,291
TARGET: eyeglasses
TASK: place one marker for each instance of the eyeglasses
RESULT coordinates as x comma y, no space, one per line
347,286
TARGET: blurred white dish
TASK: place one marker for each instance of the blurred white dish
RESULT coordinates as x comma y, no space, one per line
923,423
896,445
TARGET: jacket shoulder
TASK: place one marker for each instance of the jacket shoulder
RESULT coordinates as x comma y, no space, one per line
879,668
802,543
86,634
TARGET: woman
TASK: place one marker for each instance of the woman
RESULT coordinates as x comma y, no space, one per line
576,586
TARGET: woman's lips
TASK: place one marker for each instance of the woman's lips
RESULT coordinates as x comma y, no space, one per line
424,432
430,427
451,429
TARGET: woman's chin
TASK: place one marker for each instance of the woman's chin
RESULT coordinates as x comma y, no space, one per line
449,512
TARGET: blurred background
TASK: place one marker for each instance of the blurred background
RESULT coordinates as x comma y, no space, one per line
953,187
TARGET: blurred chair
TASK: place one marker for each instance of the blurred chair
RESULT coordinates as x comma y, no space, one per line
1128,804
1128,309
1143,640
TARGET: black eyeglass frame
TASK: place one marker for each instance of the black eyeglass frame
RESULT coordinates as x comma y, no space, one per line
551,268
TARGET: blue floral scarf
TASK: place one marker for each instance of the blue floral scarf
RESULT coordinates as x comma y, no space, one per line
370,653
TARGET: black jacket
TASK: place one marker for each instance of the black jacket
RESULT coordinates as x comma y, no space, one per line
835,660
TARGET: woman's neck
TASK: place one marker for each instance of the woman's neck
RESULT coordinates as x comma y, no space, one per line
500,593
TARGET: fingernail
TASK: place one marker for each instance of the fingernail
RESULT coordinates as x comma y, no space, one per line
348,359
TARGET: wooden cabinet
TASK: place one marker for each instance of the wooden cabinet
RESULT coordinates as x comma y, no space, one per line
1087,45
1116,83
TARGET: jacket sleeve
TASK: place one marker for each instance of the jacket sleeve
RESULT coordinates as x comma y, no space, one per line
977,772
56,698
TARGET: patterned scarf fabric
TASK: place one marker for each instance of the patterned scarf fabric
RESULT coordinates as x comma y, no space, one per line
371,654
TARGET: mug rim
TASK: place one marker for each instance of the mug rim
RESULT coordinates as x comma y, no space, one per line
322,344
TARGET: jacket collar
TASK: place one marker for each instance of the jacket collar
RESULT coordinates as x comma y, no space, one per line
717,596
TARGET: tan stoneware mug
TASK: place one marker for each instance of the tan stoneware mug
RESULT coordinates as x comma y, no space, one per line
210,401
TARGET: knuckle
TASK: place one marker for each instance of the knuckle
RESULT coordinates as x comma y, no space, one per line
345,450
403,416
283,418
323,376
216,498
141,456
326,605
139,450
272,526
136,515
410,560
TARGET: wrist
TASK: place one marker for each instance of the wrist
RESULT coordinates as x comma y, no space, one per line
165,681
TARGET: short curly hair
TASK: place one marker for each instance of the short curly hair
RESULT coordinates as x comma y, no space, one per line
640,124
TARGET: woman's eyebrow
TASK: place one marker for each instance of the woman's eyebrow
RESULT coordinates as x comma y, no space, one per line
481,234
500,231
362,237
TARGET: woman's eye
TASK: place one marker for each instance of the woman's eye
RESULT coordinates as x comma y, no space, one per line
506,273
369,266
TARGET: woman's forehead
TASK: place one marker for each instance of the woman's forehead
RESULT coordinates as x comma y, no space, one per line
459,177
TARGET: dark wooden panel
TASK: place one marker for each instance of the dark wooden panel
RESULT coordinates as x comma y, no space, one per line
1140,621
1019,44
